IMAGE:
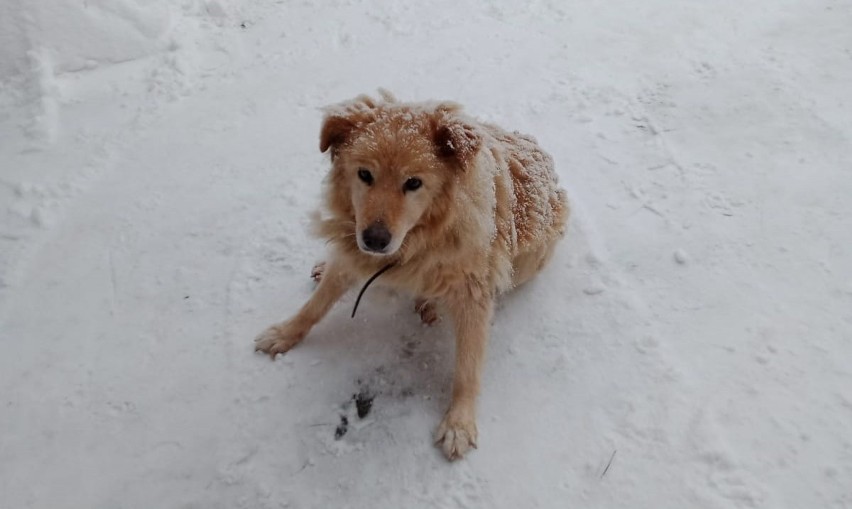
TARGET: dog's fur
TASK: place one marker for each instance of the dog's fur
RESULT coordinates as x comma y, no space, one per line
486,219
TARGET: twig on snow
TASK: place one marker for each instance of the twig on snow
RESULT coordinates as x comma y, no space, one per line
606,469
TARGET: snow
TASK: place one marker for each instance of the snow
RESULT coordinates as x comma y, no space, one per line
689,346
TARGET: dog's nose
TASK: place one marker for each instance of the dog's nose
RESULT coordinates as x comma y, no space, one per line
376,237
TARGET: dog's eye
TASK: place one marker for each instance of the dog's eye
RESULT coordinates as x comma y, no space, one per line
365,176
412,184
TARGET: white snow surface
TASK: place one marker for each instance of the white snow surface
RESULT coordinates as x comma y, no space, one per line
689,346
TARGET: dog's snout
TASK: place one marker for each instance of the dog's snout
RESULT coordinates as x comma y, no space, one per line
376,237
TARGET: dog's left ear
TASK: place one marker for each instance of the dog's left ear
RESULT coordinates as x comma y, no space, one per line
455,138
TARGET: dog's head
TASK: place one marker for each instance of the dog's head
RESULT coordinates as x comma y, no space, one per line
394,165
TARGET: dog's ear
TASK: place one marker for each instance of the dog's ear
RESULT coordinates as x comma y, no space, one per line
455,138
334,132
341,120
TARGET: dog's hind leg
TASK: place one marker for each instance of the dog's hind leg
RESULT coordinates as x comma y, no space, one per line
317,271
528,265
284,336
427,310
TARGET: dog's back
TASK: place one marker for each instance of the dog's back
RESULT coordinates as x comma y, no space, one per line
539,207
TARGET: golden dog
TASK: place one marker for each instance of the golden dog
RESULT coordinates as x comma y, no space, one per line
460,210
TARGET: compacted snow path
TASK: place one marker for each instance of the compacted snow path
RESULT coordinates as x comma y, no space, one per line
689,346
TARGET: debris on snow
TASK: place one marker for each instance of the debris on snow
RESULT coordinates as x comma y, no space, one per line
363,402
341,428
594,288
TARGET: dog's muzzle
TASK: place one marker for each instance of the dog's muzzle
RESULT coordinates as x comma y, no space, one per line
376,237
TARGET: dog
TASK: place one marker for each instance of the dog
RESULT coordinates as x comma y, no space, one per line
455,211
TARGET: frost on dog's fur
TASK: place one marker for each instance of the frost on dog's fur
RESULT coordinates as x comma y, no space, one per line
485,217
513,177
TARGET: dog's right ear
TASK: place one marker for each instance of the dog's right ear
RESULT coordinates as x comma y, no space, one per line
335,130
342,120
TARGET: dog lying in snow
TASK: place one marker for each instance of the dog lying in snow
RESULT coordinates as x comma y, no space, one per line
461,211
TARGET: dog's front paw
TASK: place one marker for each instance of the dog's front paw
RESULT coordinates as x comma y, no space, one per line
457,434
278,339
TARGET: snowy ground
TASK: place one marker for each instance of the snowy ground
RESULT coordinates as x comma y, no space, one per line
158,167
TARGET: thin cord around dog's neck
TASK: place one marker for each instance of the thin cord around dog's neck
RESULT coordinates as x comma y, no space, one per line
364,288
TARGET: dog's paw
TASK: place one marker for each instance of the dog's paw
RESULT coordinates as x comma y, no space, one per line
278,339
428,312
318,271
457,434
